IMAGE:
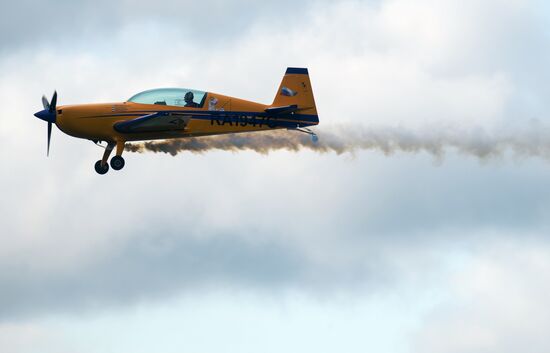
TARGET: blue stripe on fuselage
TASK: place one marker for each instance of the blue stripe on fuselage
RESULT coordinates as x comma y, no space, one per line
254,119
237,118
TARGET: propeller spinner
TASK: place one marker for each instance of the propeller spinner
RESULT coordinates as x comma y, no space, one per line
48,115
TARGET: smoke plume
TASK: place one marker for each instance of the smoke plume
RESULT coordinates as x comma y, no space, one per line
533,141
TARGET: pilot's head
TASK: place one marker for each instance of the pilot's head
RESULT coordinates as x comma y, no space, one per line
189,97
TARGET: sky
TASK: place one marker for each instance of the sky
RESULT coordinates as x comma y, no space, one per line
399,252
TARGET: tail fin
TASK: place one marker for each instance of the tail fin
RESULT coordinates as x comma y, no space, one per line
295,89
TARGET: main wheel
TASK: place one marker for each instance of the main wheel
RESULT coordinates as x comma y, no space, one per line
117,162
101,169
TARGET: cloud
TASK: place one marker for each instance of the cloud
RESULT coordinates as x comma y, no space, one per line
62,22
154,264
73,241
497,302
25,337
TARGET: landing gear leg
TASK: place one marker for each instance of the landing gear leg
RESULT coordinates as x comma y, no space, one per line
117,162
101,166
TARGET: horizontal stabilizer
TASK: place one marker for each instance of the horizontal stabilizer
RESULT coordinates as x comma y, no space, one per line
286,109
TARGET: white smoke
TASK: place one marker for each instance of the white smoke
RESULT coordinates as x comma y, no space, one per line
530,141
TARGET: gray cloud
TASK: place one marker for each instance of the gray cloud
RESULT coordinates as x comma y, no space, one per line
154,264
321,223
267,236
66,23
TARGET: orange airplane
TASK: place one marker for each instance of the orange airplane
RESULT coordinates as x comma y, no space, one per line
168,113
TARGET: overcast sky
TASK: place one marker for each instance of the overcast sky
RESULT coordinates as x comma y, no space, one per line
290,251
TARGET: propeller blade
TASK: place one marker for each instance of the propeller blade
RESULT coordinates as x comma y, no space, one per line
49,138
53,104
45,103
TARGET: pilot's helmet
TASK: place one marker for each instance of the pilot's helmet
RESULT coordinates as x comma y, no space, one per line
189,97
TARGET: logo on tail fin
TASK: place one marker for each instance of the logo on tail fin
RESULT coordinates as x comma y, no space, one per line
285,91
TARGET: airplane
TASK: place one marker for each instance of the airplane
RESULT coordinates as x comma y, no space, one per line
168,113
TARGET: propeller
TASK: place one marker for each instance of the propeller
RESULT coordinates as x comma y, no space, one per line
48,115
45,103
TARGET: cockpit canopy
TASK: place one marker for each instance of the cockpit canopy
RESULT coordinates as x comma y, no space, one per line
180,97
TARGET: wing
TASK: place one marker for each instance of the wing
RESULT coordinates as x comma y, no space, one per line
159,121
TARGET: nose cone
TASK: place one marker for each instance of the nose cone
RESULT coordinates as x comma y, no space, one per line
46,115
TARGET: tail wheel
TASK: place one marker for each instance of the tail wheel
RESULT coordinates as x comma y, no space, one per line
117,162
101,169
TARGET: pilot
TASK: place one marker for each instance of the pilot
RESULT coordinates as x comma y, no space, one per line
189,100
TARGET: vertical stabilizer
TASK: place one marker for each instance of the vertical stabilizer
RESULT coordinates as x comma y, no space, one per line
295,89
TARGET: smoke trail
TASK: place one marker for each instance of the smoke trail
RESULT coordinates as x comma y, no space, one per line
534,140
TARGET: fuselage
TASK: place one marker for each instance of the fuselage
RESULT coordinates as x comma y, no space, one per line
229,115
